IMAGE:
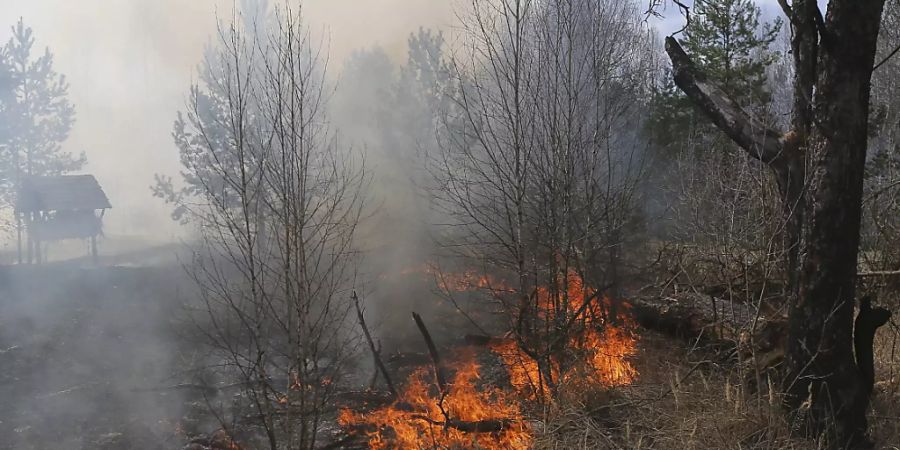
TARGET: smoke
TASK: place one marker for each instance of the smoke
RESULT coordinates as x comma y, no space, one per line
130,64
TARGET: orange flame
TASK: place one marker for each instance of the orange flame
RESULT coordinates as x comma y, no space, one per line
467,281
414,420
605,346
403,425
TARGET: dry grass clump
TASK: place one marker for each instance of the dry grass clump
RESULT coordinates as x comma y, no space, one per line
683,401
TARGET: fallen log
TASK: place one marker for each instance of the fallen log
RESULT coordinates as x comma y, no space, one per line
479,426
710,321
738,332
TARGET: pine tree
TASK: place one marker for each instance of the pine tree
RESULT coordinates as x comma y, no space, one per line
37,114
732,47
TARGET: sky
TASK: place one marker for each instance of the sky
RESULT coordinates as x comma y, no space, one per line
129,64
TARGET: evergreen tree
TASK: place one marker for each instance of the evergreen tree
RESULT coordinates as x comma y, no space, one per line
6,98
732,46
36,112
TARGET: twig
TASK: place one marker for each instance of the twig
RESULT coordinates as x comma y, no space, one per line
211,390
886,58
7,350
375,352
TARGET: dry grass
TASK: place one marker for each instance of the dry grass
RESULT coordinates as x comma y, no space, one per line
685,402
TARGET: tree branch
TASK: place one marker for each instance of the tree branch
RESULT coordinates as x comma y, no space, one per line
756,138
375,353
432,350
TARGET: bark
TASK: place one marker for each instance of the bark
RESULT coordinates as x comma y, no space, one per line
821,370
833,57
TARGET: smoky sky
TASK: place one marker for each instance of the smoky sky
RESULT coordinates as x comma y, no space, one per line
130,63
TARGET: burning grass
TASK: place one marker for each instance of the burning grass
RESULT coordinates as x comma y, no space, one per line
603,343
423,418
471,414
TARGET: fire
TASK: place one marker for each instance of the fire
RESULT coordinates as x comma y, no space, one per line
524,374
415,420
467,281
605,346
422,418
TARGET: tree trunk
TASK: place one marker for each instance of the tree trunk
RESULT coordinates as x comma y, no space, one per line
826,389
824,386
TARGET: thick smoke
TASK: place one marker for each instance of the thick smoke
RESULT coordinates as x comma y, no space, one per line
130,63
98,357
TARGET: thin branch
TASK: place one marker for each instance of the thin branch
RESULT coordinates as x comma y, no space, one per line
438,372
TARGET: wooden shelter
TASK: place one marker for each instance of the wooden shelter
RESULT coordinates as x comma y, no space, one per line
53,208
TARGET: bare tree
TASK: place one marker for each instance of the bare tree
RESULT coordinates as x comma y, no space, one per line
537,171
276,201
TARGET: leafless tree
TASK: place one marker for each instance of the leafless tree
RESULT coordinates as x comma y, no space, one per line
540,160
276,201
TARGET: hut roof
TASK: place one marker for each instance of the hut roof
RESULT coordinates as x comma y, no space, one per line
61,193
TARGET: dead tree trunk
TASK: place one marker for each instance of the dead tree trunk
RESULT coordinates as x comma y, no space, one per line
833,58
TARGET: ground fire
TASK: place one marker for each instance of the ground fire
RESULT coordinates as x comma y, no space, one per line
471,413
423,418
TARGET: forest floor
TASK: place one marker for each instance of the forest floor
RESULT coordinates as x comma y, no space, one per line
86,355
96,358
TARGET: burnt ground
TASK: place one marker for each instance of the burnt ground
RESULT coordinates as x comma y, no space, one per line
87,356
102,357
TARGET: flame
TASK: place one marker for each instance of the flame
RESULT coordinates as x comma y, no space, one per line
415,419
402,424
467,281
605,347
